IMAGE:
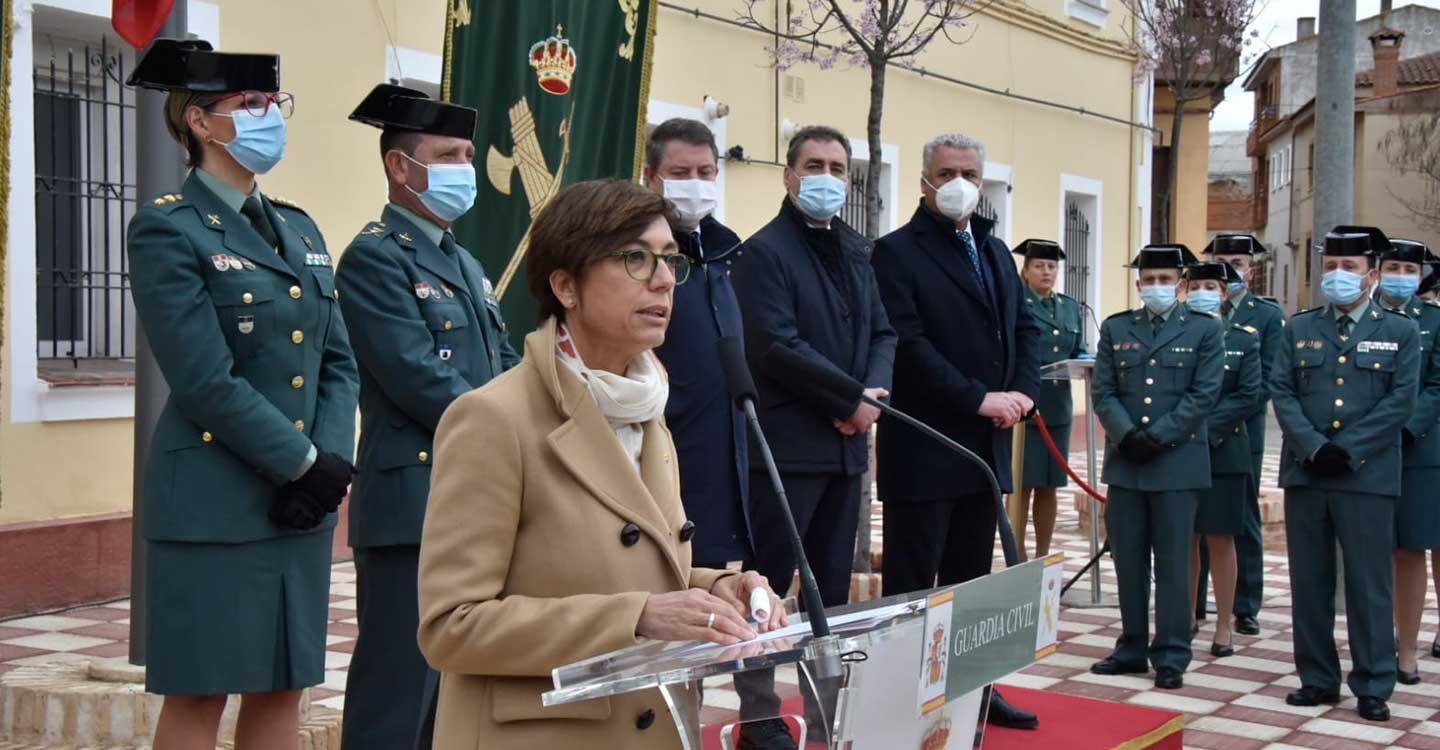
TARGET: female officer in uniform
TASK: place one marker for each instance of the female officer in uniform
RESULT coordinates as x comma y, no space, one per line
1220,514
1059,320
251,454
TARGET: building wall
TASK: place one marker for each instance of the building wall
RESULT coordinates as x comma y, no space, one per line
1377,184
1189,206
334,51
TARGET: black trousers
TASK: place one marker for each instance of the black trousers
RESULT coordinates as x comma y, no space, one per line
827,513
386,688
938,543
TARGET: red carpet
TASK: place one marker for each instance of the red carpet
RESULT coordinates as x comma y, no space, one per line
1067,722
1070,722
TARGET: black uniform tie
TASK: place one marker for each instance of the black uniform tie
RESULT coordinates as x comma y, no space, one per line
1344,324
252,210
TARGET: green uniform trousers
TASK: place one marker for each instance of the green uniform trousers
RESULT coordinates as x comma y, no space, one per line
1143,525
1364,524
1250,542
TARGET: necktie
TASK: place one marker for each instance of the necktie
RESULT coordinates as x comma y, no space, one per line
1344,324
969,243
1049,303
699,248
251,210
1156,323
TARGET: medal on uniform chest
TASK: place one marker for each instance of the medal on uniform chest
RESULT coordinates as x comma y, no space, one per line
220,262
249,266
245,323
448,291
235,264
445,352
422,290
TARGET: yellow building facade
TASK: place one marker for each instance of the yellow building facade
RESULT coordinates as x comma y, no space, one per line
1053,166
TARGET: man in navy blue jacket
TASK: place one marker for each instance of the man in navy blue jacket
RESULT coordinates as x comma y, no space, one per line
806,284
681,163
968,364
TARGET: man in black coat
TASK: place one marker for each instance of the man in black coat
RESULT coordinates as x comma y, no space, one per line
967,364
681,163
805,283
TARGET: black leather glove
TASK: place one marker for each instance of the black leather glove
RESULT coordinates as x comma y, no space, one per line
327,480
294,508
1330,461
1139,446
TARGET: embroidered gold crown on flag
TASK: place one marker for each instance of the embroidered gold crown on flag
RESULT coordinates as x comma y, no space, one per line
554,62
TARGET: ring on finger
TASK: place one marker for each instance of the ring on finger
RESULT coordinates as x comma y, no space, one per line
710,623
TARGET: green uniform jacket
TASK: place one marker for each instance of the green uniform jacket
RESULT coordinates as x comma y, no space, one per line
1166,383
256,356
1268,320
1239,393
1356,393
1059,340
1424,450
425,332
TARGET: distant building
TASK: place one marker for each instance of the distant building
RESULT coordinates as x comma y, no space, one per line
1231,194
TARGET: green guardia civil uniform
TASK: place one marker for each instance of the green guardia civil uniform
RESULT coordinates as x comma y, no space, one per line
1060,339
251,342
1221,510
1417,512
1356,391
1164,377
1268,319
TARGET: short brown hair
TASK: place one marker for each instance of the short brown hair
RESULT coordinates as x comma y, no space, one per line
680,129
176,104
581,222
821,133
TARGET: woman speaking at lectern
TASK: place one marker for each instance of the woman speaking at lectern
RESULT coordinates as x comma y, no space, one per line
555,531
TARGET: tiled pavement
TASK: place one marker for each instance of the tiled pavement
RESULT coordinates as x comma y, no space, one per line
1232,704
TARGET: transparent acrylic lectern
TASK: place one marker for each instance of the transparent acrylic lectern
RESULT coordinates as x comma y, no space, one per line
1083,369
857,689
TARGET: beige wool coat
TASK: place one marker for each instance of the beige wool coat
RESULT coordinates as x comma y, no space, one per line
522,564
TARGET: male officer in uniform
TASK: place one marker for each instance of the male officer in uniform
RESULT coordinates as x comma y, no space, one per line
1244,308
1344,381
426,329
1158,371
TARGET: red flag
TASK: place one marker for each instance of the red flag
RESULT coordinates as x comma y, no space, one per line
138,21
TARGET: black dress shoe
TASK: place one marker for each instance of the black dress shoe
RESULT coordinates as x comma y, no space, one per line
1195,629
1112,666
1003,714
1168,679
766,734
1313,696
1435,648
1373,709
1247,625
1220,652
1408,678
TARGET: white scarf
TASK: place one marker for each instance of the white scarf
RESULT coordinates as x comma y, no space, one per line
628,400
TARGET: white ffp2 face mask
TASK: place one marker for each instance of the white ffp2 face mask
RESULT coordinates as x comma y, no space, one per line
693,199
957,198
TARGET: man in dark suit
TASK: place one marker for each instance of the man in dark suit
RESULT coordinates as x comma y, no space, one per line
806,284
968,364
426,329
681,163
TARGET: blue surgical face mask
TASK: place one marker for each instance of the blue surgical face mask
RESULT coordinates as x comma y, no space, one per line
1399,286
1342,287
1235,288
451,189
1203,300
1158,298
821,196
259,142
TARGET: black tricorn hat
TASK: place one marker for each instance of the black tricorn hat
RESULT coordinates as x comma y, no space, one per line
1432,275
1375,241
194,65
1234,244
388,106
1040,250
1346,244
1172,255
1408,251
1221,272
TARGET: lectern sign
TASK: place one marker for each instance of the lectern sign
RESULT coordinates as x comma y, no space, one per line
1009,619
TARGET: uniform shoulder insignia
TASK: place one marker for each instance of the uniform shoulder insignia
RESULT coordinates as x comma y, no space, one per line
1309,311
286,203
1400,313
1248,329
1215,316
1432,302
168,201
372,229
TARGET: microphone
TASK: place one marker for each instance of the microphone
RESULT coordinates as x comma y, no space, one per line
742,392
802,373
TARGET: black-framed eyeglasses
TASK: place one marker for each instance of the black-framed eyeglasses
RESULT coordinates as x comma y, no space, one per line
258,103
642,264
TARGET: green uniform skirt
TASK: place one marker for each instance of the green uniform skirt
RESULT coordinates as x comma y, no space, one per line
1221,510
1041,469
237,618
1417,514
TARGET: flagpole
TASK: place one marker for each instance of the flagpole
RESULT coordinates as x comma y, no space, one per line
158,169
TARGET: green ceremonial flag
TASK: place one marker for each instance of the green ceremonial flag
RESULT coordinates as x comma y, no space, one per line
561,87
